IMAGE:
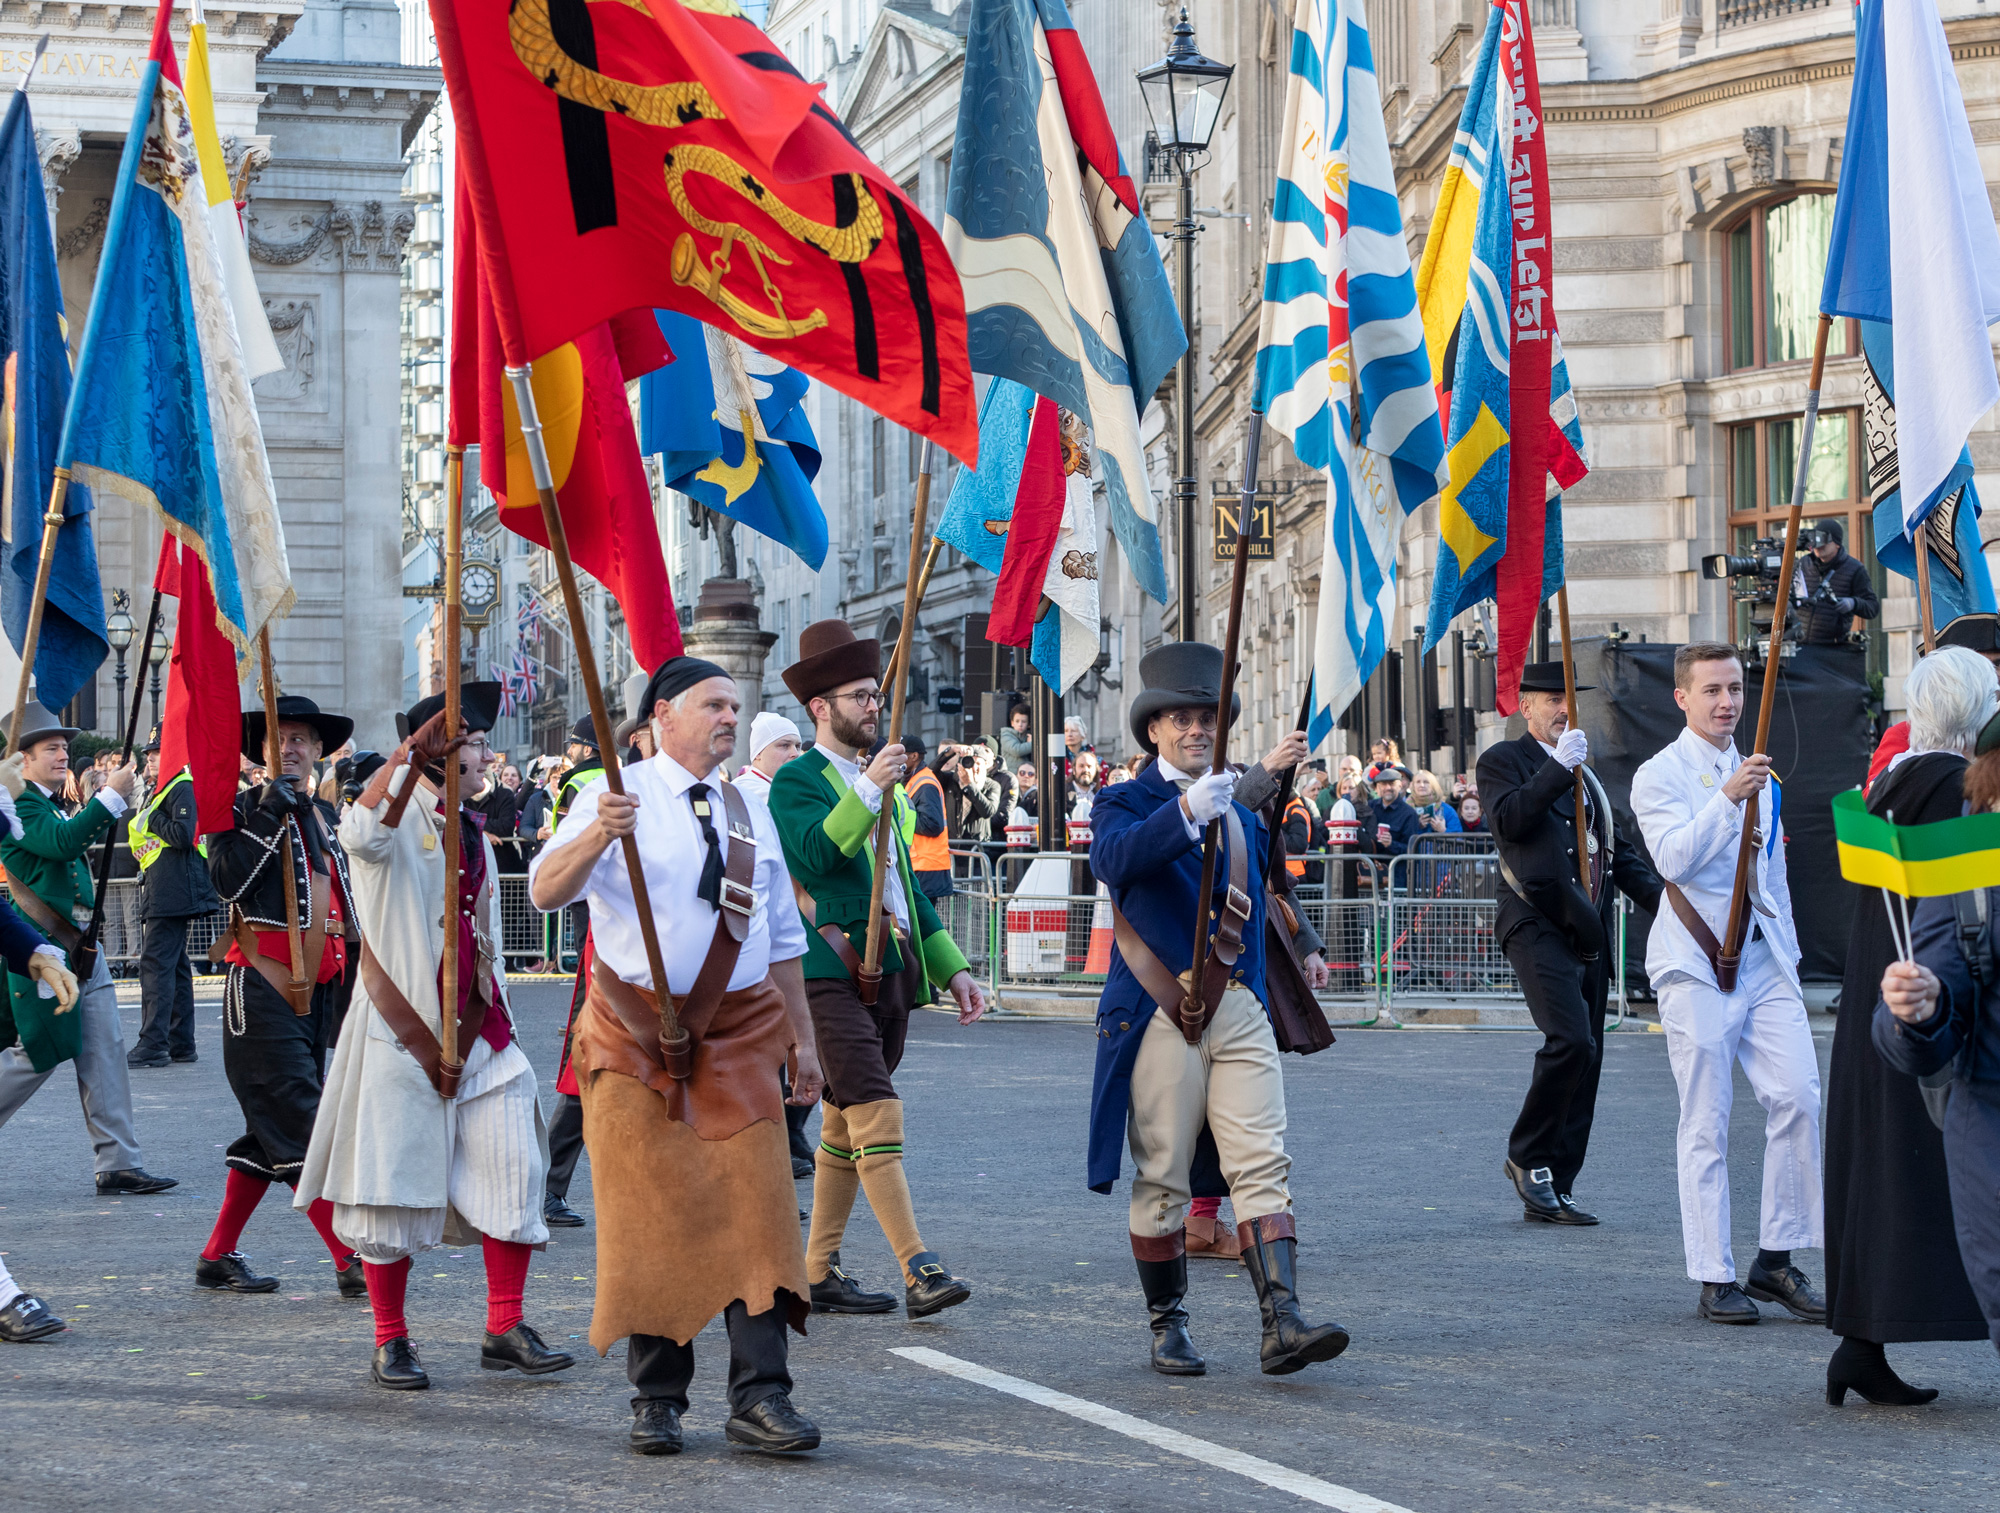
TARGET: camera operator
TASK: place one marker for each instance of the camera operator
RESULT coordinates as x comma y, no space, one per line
1837,588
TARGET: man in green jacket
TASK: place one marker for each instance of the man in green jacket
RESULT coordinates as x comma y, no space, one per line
49,876
826,804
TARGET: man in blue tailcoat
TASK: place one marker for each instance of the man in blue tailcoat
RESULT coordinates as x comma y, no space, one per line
1167,1065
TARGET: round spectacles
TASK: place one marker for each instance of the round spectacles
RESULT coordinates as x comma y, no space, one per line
862,699
1187,719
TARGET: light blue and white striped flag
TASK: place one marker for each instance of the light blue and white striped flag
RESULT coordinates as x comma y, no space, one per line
1341,365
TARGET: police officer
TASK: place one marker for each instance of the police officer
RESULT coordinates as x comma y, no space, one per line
174,888
1845,582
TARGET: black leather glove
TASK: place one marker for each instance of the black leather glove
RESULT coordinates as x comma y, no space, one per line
1845,606
277,798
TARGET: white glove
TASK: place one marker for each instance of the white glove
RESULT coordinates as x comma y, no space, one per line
1572,749
13,820
1208,796
12,778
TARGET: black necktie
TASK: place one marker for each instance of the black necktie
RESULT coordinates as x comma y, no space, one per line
710,886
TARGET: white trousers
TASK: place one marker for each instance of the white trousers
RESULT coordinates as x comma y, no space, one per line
1232,1081
9,1288
496,1177
1763,1026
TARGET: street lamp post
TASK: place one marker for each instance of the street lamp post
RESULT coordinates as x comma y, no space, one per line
119,631
157,656
1183,94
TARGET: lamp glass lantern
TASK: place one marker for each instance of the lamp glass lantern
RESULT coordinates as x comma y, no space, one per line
1184,93
118,627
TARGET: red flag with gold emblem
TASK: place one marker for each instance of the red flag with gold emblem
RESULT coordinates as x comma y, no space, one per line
601,485
648,153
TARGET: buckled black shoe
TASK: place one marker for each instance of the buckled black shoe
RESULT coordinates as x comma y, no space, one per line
773,1425
397,1367
28,1318
133,1180
1165,1286
1789,1289
1724,1303
352,1278
1270,1255
656,1428
1569,1213
231,1273
521,1349
557,1214
837,1292
934,1289
1538,1198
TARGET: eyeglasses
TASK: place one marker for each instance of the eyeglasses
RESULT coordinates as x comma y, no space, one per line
862,698
1187,719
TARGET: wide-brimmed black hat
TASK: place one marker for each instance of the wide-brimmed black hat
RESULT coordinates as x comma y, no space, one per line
478,707
1547,677
333,729
1980,633
830,654
1179,675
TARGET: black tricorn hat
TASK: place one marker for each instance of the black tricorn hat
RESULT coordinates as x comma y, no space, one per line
1547,677
830,654
478,707
295,708
1179,675
1978,632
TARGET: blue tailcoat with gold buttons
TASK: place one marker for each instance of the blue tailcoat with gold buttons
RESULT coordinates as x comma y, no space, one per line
1141,852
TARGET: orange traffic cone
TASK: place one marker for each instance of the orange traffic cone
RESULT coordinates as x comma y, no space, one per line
1098,962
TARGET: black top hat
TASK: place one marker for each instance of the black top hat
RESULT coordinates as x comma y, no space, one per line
830,654
1547,677
1179,675
478,707
1980,633
294,708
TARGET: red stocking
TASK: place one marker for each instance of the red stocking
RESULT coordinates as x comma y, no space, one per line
241,1194
386,1286
321,1215
506,1280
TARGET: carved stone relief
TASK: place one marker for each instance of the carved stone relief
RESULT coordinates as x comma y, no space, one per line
295,328
59,148
360,237
81,239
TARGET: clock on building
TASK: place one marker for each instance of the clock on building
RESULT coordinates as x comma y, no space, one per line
478,587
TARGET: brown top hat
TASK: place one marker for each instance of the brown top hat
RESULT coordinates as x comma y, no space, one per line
829,655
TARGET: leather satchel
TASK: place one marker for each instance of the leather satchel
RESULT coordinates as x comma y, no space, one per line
1298,1023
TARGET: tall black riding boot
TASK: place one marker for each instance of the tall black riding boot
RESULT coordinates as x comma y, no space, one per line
1163,1275
1270,1252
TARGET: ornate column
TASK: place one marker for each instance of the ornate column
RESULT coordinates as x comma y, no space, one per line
725,631
58,147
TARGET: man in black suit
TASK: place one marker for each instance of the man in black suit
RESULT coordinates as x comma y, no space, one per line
1557,937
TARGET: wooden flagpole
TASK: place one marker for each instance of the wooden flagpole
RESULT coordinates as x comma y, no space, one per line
1191,1010
899,660
1738,925
454,546
1923,547
52,524
274,772
1569,695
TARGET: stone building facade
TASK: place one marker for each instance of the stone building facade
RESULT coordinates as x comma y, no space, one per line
315,112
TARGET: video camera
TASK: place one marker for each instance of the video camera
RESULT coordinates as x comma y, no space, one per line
1763,566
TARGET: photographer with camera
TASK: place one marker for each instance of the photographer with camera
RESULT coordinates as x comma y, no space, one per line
1837,587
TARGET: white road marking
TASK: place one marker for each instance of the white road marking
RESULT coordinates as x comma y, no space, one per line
1325,1493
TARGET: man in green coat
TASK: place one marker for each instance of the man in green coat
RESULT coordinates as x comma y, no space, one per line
826,804
49,876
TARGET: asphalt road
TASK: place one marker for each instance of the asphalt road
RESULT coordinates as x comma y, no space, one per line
1495,1365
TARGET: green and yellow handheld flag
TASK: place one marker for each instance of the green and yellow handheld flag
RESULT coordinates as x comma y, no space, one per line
1917,861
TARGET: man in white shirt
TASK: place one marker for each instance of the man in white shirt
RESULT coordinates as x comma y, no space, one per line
696,1212
1690,801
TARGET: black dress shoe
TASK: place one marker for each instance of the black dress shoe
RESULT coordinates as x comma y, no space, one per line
1570,1213
133,1180
1538,1198
231,1273
656,1428
1165,1286
801,1168
837,1292
934,1290
521,1349
397,1367
1863,1366
773,1425
1789,1289
1724,1303
352,1279
28,1318
557,1214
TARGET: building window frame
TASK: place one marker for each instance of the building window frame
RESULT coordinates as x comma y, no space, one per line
1746,299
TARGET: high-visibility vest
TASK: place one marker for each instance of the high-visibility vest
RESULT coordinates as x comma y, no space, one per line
1296,865
146,846
928,853
573,782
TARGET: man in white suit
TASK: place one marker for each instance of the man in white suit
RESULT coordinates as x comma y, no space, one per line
1691,801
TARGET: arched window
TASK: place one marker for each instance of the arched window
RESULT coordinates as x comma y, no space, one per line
1776,264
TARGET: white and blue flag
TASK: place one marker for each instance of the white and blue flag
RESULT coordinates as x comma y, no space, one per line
1341,364
1064,288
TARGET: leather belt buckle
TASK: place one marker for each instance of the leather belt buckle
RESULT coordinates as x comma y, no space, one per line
742,833
738,899
1237,902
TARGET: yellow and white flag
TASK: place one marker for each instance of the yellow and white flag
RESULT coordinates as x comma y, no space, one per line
253,329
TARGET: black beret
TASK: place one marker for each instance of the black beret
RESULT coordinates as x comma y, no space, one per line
678,674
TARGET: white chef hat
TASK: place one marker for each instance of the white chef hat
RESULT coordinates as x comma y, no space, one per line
768,727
